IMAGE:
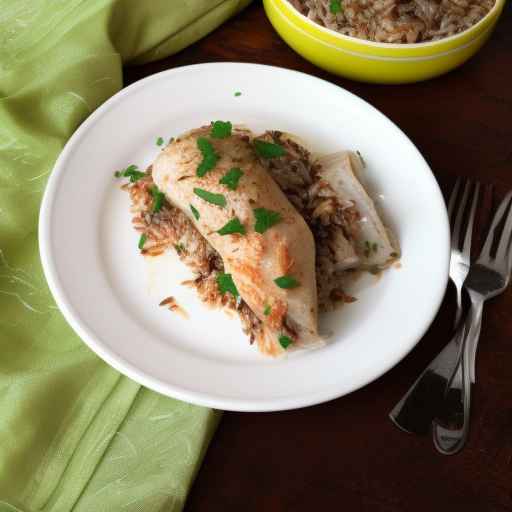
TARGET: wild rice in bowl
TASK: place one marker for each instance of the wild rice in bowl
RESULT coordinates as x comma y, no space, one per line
395,21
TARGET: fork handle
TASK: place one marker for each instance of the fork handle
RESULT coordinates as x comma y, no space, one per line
419,406
447,439
451,427
474,338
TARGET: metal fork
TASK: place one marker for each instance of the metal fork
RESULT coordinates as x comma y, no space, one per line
460,258
487,278
418,407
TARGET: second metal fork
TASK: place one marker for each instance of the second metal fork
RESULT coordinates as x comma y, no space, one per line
487,278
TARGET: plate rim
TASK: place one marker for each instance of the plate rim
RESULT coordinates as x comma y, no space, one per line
116,360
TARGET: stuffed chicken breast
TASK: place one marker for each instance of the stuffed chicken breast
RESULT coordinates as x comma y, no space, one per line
270,231
268,250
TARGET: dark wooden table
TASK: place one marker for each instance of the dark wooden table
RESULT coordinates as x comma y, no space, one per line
346,454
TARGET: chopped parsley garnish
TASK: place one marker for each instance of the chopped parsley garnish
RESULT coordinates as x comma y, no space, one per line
210,158
265,219
231,178
267,310
171,140
179,248
158,199
142,240
268,149
210,197
132,172
159,141
232,227
238,93
287,282
226,284
285,341
221,129
195,213
335,6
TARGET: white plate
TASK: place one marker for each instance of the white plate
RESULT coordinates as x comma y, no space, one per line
110,294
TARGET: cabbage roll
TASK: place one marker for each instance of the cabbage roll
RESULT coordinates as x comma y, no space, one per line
373,242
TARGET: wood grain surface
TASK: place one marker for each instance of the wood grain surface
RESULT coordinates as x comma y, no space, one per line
346,454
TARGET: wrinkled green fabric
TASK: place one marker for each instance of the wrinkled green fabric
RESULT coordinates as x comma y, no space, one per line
74,433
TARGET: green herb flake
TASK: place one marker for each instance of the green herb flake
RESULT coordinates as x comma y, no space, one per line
179,248
232,227
285,341
132,172
210,197
226,284
136,176
265,219
221,129
268,149
287,282
231,178
267,310
158,199
375,247
142,241
238,93
210,158
335,6
159,141
195,213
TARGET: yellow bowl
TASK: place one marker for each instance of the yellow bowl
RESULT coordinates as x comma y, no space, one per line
377,62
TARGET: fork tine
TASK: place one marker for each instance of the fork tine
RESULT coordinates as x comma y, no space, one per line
502,251
460,213
453,197
498,216
469,229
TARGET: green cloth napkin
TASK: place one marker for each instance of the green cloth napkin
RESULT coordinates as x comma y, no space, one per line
74,433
